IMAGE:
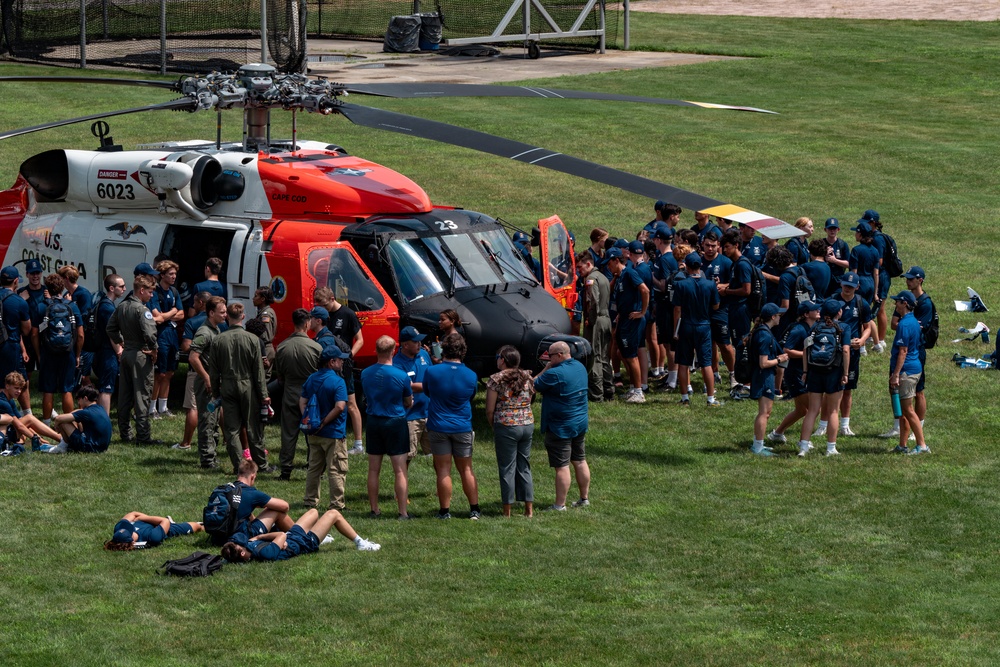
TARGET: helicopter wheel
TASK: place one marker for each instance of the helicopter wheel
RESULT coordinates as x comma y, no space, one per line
533,51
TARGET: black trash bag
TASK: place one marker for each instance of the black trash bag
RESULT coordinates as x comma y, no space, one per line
403,35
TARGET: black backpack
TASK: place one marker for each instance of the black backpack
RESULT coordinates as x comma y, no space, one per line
823,347
221,516
58,327
758,290
891,262
933,328
198,564
802,291
745,362
91,336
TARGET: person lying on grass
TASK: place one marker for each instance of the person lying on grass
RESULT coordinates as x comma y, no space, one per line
137,530
303,538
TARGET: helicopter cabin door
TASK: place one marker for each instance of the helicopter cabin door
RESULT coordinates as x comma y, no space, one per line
337,266
559,265
121,258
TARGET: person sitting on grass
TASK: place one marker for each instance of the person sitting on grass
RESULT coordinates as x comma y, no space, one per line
87,430
137,530
303,538
275,510
20,427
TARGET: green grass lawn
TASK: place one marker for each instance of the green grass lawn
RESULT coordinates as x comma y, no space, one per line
693,552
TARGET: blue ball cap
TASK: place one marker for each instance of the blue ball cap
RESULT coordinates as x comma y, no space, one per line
145,269
613,253
408,334
123,532
621,243
770,310
915,272
907,296
693,260
862,227
831,308
832,223
320,313
658,206
663,232
808,306
521,237
851,279
10,273
33,266
870,215
331,352
636,248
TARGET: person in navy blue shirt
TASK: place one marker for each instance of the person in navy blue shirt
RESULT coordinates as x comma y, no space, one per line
87,430
17,319
905,370
388,394
57,368
794,387
865,260
735,292
274,511
799,245
880,243
304,537
414,360
664,268
20,427
703,226
450,387
84,301
825,384
631,298
34,294
751,245
562,384
642,253
695,298
136,529
107,355
837,254
718,268
168,313
211,284
328,441
924,312
767,355
817,270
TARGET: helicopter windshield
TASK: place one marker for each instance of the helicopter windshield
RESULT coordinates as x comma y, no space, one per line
429,265
337,269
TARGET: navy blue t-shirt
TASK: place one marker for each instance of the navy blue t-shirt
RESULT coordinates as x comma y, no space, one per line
799,250
864,260
625,292
795,340
695,296
96,424
33,297
708,229
818,273
741,274
213,287
450,387
83,299
664,267
164,301
15,311
841,251
755,251
9,406
855,314
105,309
250,499
720,271
385,388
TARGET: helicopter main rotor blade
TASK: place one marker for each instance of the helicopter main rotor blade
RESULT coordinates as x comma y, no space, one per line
167,85
515,150
174,105
418,90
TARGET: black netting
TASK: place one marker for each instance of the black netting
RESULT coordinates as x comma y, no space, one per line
199,35
368,19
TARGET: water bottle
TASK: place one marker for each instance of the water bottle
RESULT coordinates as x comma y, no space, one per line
214,404
897,410
436,350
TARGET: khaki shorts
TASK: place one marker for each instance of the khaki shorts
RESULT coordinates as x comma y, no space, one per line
908,385
419,441
190,402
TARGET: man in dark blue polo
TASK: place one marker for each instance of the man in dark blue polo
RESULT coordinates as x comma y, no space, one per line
17,319
34,294
413,360
735,292
664,269
718,268
751,245
631,297
563,386
905,370
817,270
694,300
704,226
837,254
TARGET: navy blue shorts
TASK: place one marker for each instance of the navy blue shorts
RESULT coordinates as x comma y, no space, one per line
720,328
11,360
56,372
387,436
630,336
166,354
739,321
81,442
86,364
793,385
866,289
884,283
762,385
694,342
664,323
106,370
853,370
824,383
299,542
177,529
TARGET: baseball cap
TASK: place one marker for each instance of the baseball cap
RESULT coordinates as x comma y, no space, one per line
915,272
851,279
145,269
636,248
10,272
832,223
613,253
862,227
870,215
831,307
770,310
320,313
663,231
907,296
521,237
693,259
808,306
123,532
331,352
32,266
621,243
410,334
658,206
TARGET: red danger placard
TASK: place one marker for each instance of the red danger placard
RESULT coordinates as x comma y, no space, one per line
112,174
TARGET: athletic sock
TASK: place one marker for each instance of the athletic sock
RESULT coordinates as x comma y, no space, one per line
672,377
803,444
152,407
822,424
161,404
685,397
895,424
358,539
711,399
758,445
358,443
831,446
845,422
443,511
644,387
474,508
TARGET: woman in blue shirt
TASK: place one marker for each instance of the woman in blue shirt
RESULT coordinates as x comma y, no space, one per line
767,352
137,530
865,260
795,388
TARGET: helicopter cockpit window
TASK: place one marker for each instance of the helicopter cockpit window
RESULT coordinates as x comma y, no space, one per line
560,260
470,260
337,269
498,246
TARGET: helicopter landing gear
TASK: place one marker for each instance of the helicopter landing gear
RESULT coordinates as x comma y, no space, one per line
533,51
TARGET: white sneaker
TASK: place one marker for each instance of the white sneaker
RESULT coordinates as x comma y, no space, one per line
327,540
846,430
819,431
832,452
635,396
356,449
774,436
879,347
891,433
365,545
912,437
804,449
864,351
